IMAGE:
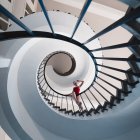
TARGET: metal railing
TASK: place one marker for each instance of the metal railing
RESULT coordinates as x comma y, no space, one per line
94,99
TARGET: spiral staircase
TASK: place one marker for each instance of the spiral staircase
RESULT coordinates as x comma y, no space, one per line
35,101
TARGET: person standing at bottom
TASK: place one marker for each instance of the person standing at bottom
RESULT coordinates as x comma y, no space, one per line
76,91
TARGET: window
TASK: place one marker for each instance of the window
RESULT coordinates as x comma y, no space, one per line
3,17
26,14
33,1
3,22
28,10
3,25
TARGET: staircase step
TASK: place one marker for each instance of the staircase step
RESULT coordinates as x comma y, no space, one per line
69,111
134,66
90,111
51,103
99,107
112,102
119,97
104,107
83,112
132,79
62,109
57,107
126,88
77,112
133,27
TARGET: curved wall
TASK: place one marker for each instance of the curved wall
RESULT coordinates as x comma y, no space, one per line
41,118
61,125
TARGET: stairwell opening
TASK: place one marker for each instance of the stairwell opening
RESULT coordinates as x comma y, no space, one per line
63,63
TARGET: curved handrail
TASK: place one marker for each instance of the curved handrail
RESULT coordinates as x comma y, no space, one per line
43,65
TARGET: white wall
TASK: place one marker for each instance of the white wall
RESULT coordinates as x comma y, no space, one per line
7,118
6,4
